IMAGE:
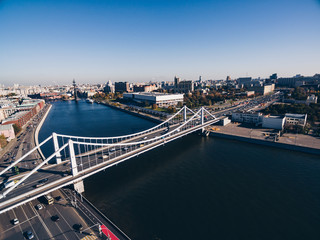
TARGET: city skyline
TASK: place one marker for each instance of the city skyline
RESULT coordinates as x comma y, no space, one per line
93,41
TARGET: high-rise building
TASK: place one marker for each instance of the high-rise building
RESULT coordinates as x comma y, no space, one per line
122,87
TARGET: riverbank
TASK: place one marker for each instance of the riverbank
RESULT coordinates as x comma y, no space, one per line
300,143
36,134
295,142
125,109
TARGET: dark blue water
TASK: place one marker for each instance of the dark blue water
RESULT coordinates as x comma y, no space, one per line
196,187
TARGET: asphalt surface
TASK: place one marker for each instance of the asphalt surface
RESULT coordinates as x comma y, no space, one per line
40,222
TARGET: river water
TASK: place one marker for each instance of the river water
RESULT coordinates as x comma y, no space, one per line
197,187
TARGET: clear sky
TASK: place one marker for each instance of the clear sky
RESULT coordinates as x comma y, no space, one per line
54,41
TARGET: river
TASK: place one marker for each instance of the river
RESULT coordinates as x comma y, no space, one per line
197,187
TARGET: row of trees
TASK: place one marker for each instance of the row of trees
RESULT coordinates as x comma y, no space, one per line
198,99
313,110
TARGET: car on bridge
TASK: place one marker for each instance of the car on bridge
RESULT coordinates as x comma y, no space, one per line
15,221
43,180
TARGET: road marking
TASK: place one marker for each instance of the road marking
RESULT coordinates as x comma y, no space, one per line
17,218
61,231
34,232
66,222
41,220
19,224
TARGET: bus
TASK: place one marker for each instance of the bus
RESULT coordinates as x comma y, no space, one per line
49,199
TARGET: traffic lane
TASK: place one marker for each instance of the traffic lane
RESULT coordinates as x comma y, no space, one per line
25,222
8,229
46,214
38,227
69,215
92,216
84,218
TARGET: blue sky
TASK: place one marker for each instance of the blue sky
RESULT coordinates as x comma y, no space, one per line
47,42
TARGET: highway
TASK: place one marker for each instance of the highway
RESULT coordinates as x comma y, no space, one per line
40,222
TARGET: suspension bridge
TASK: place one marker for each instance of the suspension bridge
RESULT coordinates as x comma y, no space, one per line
79,157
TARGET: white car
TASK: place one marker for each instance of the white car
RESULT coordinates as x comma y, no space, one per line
15,221
39,207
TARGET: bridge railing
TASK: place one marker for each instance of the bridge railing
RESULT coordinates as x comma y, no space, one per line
90,147
171,121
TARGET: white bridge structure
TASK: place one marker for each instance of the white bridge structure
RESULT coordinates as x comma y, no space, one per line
79,157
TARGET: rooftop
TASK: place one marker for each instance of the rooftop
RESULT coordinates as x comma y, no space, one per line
5,127
292,115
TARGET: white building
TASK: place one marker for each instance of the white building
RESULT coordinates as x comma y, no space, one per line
296,119
246,117
274,122
7,131
161,99
312,99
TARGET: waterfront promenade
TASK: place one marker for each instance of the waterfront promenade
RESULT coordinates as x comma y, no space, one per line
297,142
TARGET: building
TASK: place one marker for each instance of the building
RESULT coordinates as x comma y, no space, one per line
122,87
24,112
144,88
185,86
296,119
161,99
109,88
244,80
312,99
225,121
250,93
265,89
7,131
274,122
247,117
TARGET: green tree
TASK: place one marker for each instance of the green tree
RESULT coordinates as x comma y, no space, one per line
3,141
16,129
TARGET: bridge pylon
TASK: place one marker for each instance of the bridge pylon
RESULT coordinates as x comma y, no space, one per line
74,168
56,147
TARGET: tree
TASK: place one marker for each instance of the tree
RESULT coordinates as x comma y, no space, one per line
171,109
16,129
3,141
154,106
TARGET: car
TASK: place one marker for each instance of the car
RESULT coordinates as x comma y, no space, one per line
15,221
58,198
145,138
39,207
112,149
78,226
55,218
29,235
125,149
43,180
